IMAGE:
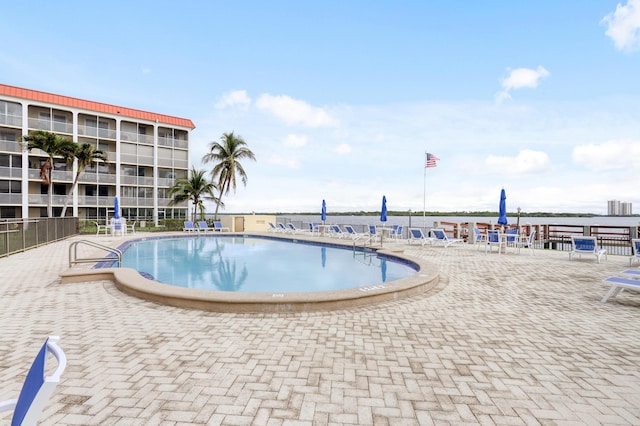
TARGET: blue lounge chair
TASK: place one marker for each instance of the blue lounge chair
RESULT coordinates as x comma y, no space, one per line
218,227
272,227
586,245
37,387
335,231
188,227
619,284
294,230
440,237
416,234
202,226
282,228
353,234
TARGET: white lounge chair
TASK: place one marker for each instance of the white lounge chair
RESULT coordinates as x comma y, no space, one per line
586,245
217,226
635,251
416,234
273,228
282,228
353,234
336,231
440,237
188,227
619,284
37,388
294,230
202,226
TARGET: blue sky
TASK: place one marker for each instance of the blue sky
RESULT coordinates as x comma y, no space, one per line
339,100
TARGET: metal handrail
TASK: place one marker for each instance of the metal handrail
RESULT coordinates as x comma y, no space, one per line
73,253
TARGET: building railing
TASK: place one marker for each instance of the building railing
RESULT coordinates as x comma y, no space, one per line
11,120
10,146
18,235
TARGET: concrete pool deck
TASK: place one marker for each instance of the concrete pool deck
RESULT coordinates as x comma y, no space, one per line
503,339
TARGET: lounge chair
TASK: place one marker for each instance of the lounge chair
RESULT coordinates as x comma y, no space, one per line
635,251
586,245
353,234
272,227
217,226
294,230
314,228
373,233
188,227
494,239
202,226
527,242
336,231
37,388
440,237
416,234
619,284
282,228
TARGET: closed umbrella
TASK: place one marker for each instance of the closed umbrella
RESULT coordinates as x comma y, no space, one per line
383,212
116,209
324,211
502,219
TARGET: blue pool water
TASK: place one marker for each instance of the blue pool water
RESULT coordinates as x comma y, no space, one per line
252,264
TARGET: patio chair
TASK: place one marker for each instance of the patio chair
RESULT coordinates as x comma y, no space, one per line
480,237
188,227
314,228
494,239
102,228
37,388
130,227
282,228
527,242
635,251
416,234
202,226
440,237
217,226
586,245
272,228
396,232
618,284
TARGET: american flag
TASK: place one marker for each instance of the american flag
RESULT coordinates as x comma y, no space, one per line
430,160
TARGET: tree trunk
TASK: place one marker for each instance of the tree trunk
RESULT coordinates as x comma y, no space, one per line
73,189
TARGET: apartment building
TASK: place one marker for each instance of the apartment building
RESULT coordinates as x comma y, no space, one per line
146,152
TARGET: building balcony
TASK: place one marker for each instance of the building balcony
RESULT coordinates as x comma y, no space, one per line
96,132
10,146
10,120
48,125
42,199
10,199
10,172
135,137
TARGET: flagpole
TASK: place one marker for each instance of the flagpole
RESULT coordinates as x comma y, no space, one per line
424,194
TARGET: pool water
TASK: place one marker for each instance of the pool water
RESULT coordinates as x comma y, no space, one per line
253,264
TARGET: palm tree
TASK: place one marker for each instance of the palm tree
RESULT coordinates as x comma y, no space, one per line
85,154
195,188
54,146
226,154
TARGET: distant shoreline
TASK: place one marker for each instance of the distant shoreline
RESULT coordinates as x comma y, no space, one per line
436,214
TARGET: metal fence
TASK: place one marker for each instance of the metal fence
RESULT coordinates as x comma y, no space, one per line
18,235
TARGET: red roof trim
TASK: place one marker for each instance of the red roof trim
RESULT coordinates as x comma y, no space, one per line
51,98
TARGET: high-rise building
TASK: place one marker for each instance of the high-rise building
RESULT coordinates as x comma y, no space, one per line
626,209
146,152
613,207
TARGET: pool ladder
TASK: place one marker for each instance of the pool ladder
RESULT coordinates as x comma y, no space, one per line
114,254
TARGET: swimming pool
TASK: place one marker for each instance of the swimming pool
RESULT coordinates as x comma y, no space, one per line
259,264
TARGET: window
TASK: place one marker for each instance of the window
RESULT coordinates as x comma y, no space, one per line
59,189
103,191
16,161
5,160
10,187
90,190
16,187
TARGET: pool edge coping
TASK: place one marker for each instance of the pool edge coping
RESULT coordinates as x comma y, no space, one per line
130,281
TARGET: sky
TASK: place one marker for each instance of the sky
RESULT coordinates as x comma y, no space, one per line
340,100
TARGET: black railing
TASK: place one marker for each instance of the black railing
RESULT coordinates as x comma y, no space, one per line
18,235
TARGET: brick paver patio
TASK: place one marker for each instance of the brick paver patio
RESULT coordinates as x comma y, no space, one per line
506,340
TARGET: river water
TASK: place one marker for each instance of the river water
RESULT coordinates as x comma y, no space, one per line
419,221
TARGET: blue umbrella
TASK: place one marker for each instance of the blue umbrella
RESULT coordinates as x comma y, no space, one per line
324,211
116,209
383,212
502,220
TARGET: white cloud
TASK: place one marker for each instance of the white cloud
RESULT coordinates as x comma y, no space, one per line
521,78
342,149
623,26
294,111
611,155
295,141
287,162
232,99
526,162
145,70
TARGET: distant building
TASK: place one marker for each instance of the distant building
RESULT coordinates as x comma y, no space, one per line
617,208
146,153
